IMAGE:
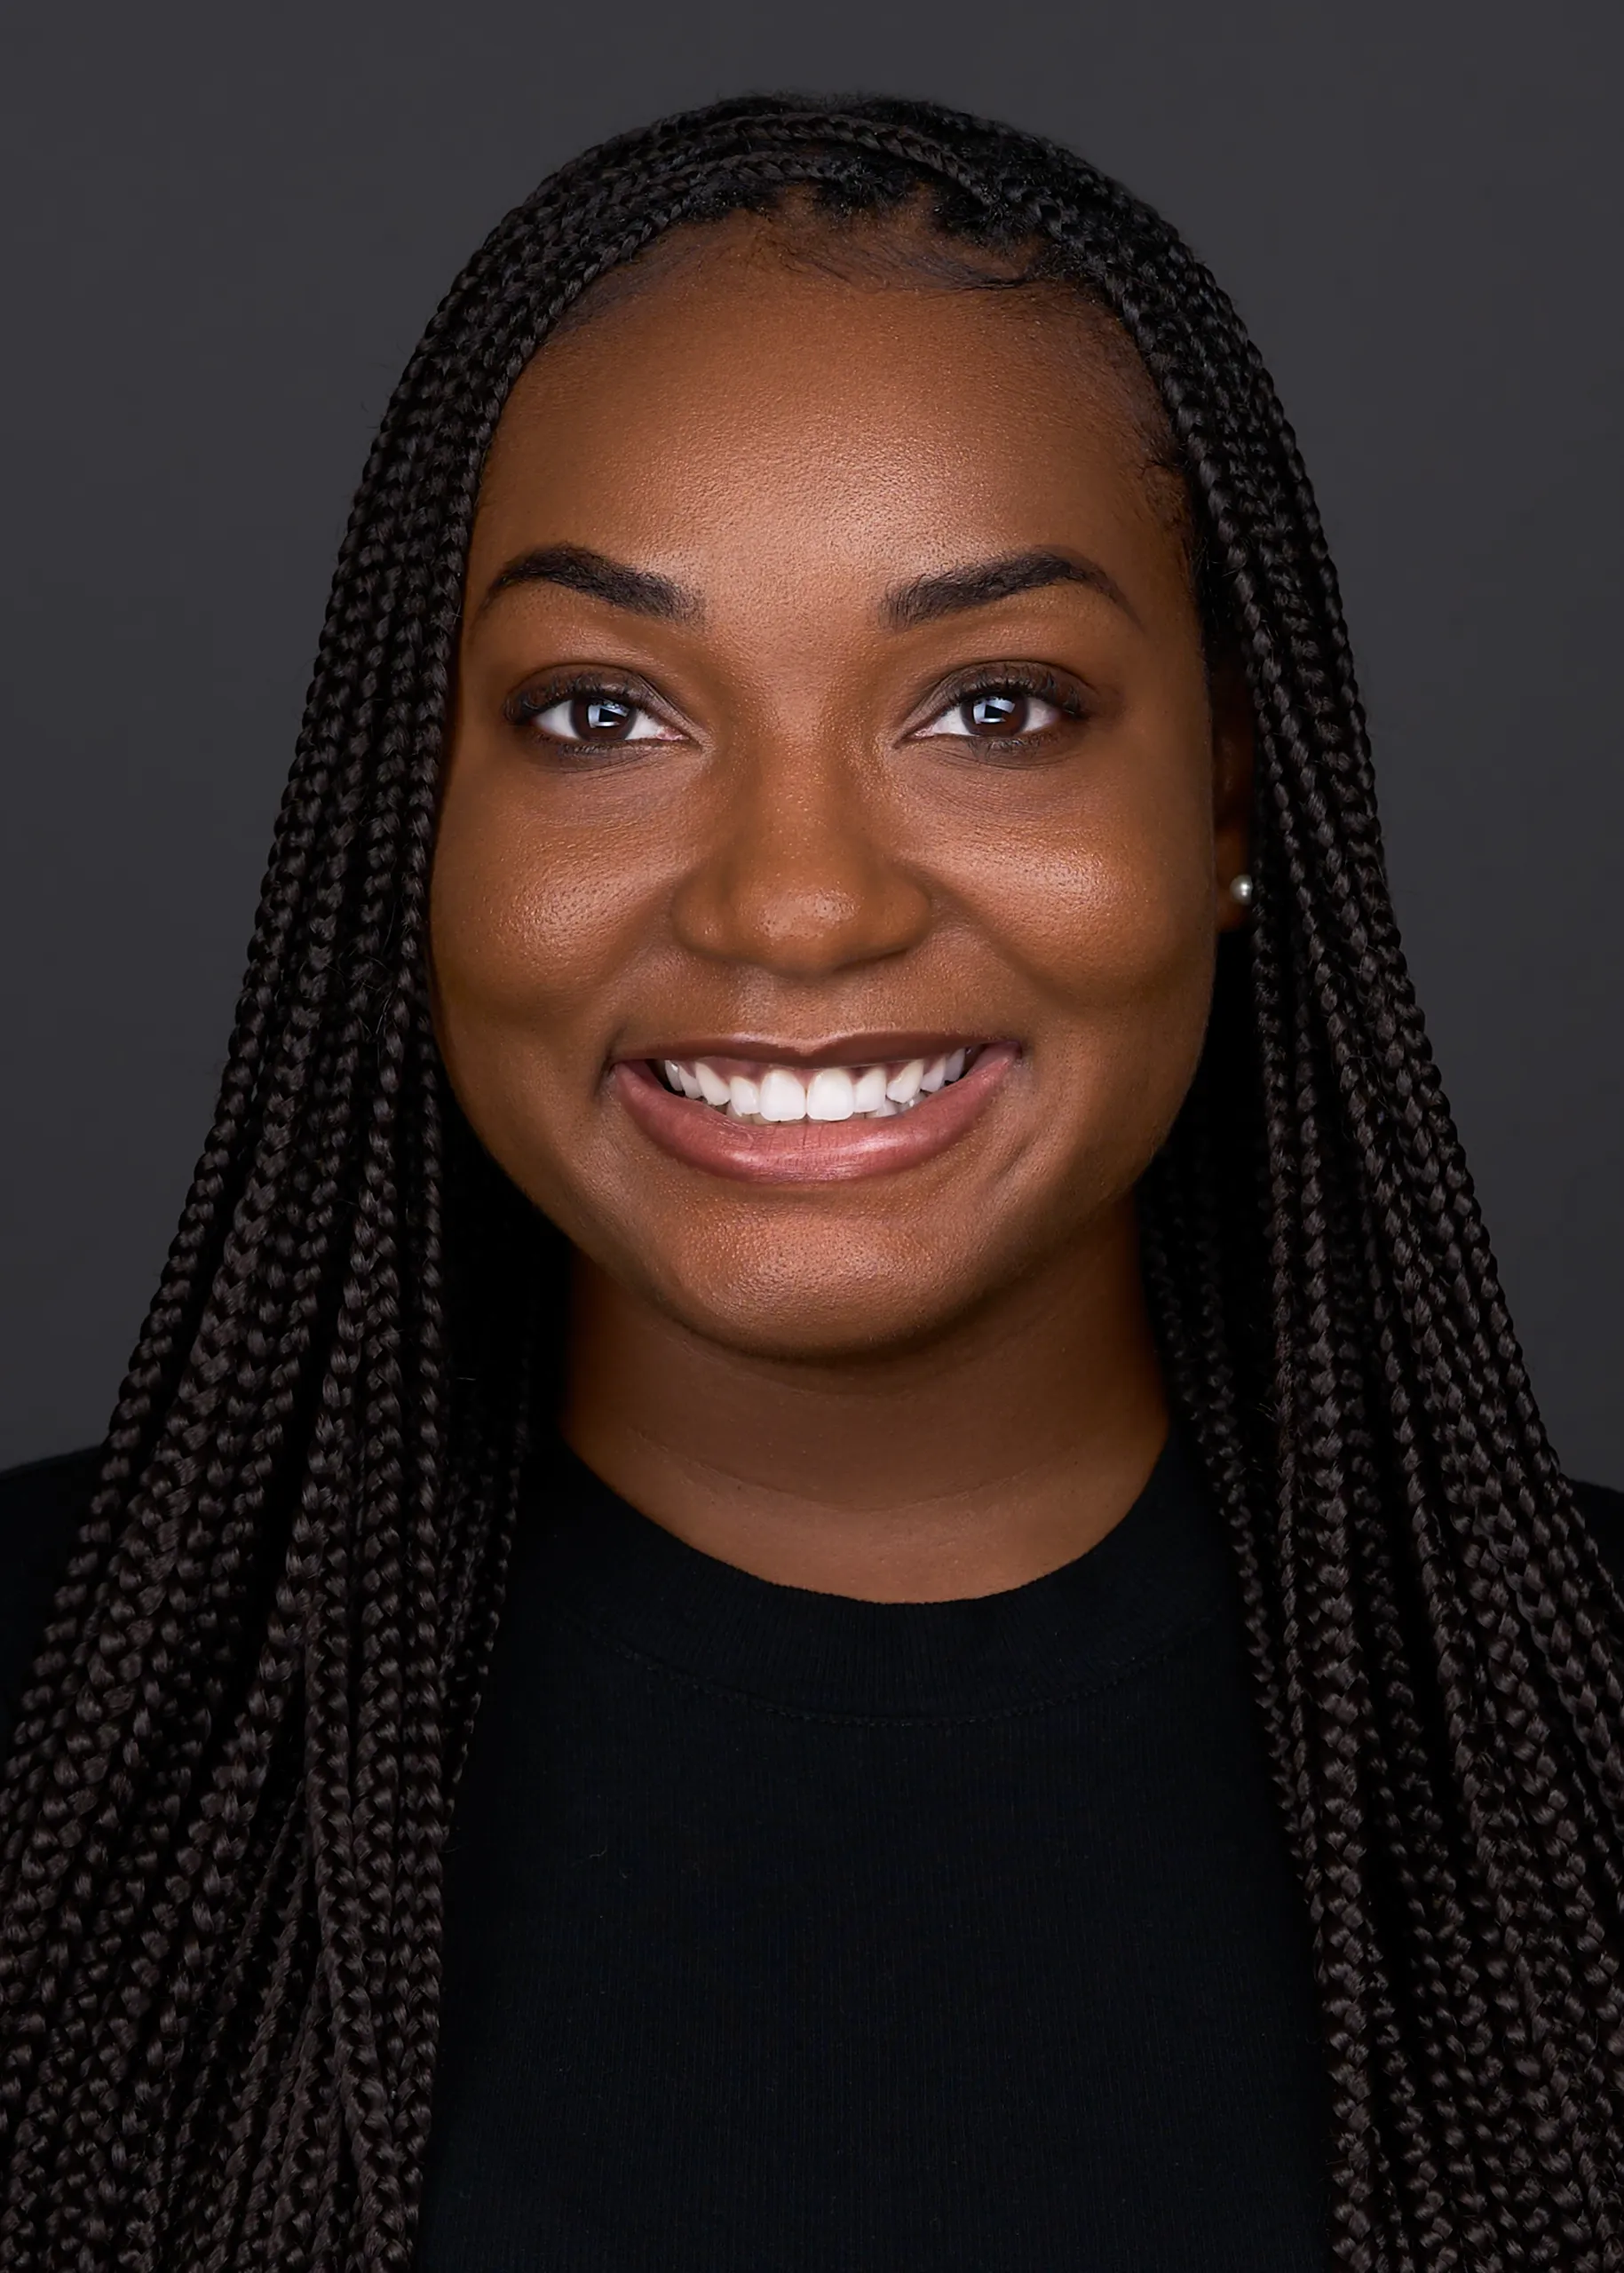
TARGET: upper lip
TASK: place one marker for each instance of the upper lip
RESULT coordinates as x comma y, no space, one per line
833,1049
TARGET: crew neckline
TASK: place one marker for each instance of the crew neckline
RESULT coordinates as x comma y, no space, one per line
1160,1574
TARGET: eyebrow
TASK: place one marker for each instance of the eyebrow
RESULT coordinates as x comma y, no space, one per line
982,581
924,599
581,570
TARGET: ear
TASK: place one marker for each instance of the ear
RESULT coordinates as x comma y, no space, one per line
1233,729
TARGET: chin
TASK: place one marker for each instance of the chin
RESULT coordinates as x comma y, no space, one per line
793,1303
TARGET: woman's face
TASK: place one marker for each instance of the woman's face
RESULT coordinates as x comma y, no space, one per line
831,704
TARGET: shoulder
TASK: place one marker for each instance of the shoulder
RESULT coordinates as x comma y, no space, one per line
1602,1509
41,1508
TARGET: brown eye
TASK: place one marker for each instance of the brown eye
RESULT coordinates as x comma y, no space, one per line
1002,711
591,718
996,715
600,718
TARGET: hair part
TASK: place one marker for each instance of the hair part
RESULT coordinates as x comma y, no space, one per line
228,1798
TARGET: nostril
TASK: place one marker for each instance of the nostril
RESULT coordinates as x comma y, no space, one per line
801,929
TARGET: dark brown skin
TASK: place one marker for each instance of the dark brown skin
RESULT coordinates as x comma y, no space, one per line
937,1381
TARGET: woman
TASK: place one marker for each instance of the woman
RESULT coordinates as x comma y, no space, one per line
832,1260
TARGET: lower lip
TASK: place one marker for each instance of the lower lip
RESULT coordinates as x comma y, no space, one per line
808,1151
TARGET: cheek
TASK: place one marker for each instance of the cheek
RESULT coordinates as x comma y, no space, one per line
1129,979
1098,928
1108,913
1106,905
528,923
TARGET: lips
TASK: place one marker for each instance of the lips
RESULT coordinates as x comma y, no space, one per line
767,1116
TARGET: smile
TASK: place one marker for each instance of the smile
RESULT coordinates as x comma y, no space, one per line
747,1089
763,1119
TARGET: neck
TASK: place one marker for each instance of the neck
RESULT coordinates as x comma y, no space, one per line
1006,1446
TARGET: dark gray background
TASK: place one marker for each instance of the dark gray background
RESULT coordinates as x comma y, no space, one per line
227,226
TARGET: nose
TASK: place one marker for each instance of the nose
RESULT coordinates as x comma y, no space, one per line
796,879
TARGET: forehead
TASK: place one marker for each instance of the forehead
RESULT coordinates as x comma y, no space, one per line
856,415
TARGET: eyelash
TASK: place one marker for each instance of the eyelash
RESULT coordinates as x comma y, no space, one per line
1008,679
530,703
1011,678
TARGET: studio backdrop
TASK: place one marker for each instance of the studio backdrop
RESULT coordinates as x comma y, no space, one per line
226,228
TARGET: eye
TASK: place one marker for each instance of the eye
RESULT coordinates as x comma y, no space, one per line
589,717
1002,711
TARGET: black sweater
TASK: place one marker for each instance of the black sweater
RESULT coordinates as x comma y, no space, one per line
788,1932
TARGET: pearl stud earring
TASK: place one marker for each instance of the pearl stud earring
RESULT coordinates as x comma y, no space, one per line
1240,890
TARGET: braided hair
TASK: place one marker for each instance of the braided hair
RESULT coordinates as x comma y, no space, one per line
226,1807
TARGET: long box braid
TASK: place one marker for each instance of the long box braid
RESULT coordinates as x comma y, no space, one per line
227,1805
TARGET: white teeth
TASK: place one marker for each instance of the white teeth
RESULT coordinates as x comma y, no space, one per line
830,1095
868,1090
782,1097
